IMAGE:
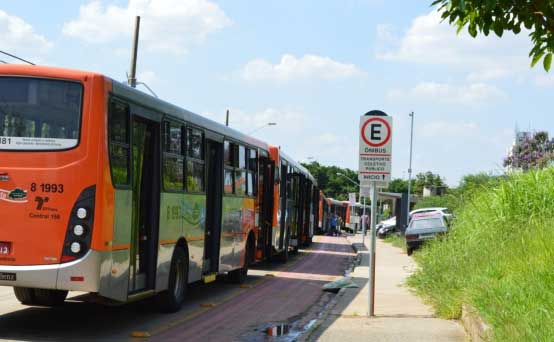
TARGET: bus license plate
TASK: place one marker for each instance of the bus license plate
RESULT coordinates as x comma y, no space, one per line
5,248
7,276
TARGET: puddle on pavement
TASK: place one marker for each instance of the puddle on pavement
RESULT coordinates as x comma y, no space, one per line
278,330
286,332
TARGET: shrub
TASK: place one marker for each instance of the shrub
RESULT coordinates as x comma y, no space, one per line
498,257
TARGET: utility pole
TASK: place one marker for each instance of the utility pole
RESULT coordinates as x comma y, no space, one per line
410,167
227,118
132,79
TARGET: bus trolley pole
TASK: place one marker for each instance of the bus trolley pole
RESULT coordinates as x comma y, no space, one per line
372,254
132,79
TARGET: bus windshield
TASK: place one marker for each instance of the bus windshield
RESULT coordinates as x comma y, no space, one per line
39,114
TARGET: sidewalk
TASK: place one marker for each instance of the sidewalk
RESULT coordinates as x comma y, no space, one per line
400,315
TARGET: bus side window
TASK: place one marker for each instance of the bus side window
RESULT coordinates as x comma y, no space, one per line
195,160
240,171
252,166
118,123
229,159
173,163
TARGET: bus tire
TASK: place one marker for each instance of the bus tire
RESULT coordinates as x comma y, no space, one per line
240,275
172,299
25,295
50,297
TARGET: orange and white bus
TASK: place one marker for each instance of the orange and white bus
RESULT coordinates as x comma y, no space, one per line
107,190
294,211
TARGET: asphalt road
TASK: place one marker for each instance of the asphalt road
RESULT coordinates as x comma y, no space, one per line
219,311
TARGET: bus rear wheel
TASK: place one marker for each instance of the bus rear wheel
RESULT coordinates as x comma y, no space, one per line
172,299
50,297
44,297
25,295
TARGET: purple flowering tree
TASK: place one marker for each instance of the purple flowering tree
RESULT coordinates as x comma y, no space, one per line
535,151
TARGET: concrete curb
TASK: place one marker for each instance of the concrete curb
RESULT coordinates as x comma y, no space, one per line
476,328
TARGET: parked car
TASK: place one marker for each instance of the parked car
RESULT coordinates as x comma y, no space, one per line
386,227
444,212
423,227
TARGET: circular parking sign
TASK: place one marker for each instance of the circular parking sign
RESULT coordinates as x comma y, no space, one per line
376,132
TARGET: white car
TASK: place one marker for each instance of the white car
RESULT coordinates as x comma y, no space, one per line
444,211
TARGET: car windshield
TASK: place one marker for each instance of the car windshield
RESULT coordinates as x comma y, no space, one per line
427,223
39,114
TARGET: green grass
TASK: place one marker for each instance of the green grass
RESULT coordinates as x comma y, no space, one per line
498,257
396,240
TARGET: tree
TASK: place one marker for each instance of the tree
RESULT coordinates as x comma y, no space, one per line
330,183
399,185
499,16
478,181
532,152
427,179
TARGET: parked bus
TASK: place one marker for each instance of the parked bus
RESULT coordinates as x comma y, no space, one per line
294,212
105,189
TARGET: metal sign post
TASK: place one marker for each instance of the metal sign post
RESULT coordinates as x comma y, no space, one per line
374,170
372,252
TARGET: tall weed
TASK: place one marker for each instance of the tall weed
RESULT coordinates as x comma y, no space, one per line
498,257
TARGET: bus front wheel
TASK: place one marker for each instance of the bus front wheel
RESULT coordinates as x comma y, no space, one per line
172,299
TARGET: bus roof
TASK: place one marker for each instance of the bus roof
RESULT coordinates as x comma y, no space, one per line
185,115
134,95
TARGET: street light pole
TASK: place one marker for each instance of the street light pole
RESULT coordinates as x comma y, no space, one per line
410,166
350,179
267,124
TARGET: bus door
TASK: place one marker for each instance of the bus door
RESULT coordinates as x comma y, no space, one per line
267,186
307,209
214,196
283,210
294,204
300,181
145,186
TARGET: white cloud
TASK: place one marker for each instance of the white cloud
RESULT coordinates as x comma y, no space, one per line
168,26
471,94
19,38
250,121
293,68
430,41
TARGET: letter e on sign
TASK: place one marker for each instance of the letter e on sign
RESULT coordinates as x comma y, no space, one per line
376,132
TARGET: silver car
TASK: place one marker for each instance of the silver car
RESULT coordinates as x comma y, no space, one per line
424,227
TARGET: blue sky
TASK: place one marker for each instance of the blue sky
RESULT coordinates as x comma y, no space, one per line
313,67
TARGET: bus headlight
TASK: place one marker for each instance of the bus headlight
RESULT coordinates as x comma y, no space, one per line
75,247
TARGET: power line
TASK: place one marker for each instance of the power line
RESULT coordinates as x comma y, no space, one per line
14,56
